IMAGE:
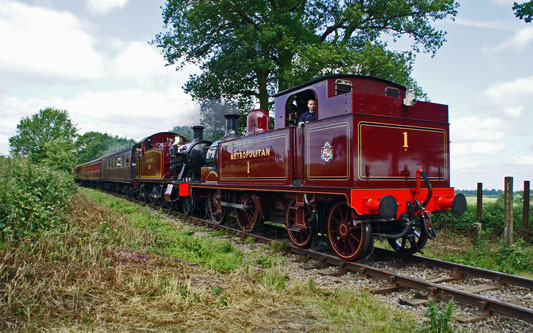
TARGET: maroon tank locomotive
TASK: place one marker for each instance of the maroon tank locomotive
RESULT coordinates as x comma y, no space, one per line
375,163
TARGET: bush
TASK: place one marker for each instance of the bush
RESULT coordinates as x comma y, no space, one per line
493,219
32,196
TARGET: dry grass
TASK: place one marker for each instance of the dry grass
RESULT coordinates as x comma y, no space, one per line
98,273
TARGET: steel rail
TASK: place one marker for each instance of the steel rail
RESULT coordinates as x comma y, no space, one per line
466,270
483,303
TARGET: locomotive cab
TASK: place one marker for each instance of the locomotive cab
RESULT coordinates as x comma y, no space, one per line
297,105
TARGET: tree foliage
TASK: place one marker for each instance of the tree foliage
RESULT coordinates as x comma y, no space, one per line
210,134
524,10
42,131
252,48
93,145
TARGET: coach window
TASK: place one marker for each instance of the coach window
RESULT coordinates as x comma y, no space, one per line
297,105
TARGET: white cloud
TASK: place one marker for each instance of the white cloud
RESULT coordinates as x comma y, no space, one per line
503,2
133,113
476,148
523,160
105,6
472,23
43,43
510,100
513,111
510,91
519,41
476,129
138,59
487,148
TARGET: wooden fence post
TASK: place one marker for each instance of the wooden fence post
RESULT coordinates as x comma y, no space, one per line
525,211
508,230
479,201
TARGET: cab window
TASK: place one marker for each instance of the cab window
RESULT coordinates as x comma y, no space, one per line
297,105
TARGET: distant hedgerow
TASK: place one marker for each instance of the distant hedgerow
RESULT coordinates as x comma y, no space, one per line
493,219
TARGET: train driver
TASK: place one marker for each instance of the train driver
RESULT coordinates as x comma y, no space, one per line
310,115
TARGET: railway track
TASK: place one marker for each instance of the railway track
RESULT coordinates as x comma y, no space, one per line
447,280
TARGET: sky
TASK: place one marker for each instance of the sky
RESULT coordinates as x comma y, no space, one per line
92,58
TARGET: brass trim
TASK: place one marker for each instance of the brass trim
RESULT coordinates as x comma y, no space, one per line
285,136
348,152
360,175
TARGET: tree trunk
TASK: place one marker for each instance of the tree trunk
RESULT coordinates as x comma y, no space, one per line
263,92
285,67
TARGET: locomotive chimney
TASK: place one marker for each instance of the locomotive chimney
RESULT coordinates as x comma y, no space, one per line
198,133
231,124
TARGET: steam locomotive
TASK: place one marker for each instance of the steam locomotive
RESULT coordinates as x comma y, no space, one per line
375,164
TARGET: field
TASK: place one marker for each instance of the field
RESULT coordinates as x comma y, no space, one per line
473,200
118,266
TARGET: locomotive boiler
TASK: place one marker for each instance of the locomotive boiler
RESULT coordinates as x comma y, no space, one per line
375,163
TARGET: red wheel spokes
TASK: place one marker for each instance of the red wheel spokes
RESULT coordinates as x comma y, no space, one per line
346,238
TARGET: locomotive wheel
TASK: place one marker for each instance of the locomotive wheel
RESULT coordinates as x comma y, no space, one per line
187,205
146,195
348,239
212,207
299,238
249,217
413,241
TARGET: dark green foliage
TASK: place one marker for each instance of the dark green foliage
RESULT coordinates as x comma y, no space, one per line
185,131
93,145
210,134
524,10
32,196
493,219
60,155
50,128
486,192
439,319
251,49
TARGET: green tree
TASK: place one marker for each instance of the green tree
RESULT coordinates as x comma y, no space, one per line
210,134
252,48
524,10
35,134
60,155
93,145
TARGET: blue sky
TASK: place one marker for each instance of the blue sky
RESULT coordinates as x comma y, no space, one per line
91,57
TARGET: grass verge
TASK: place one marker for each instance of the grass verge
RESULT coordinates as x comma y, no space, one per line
119,266
488,252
